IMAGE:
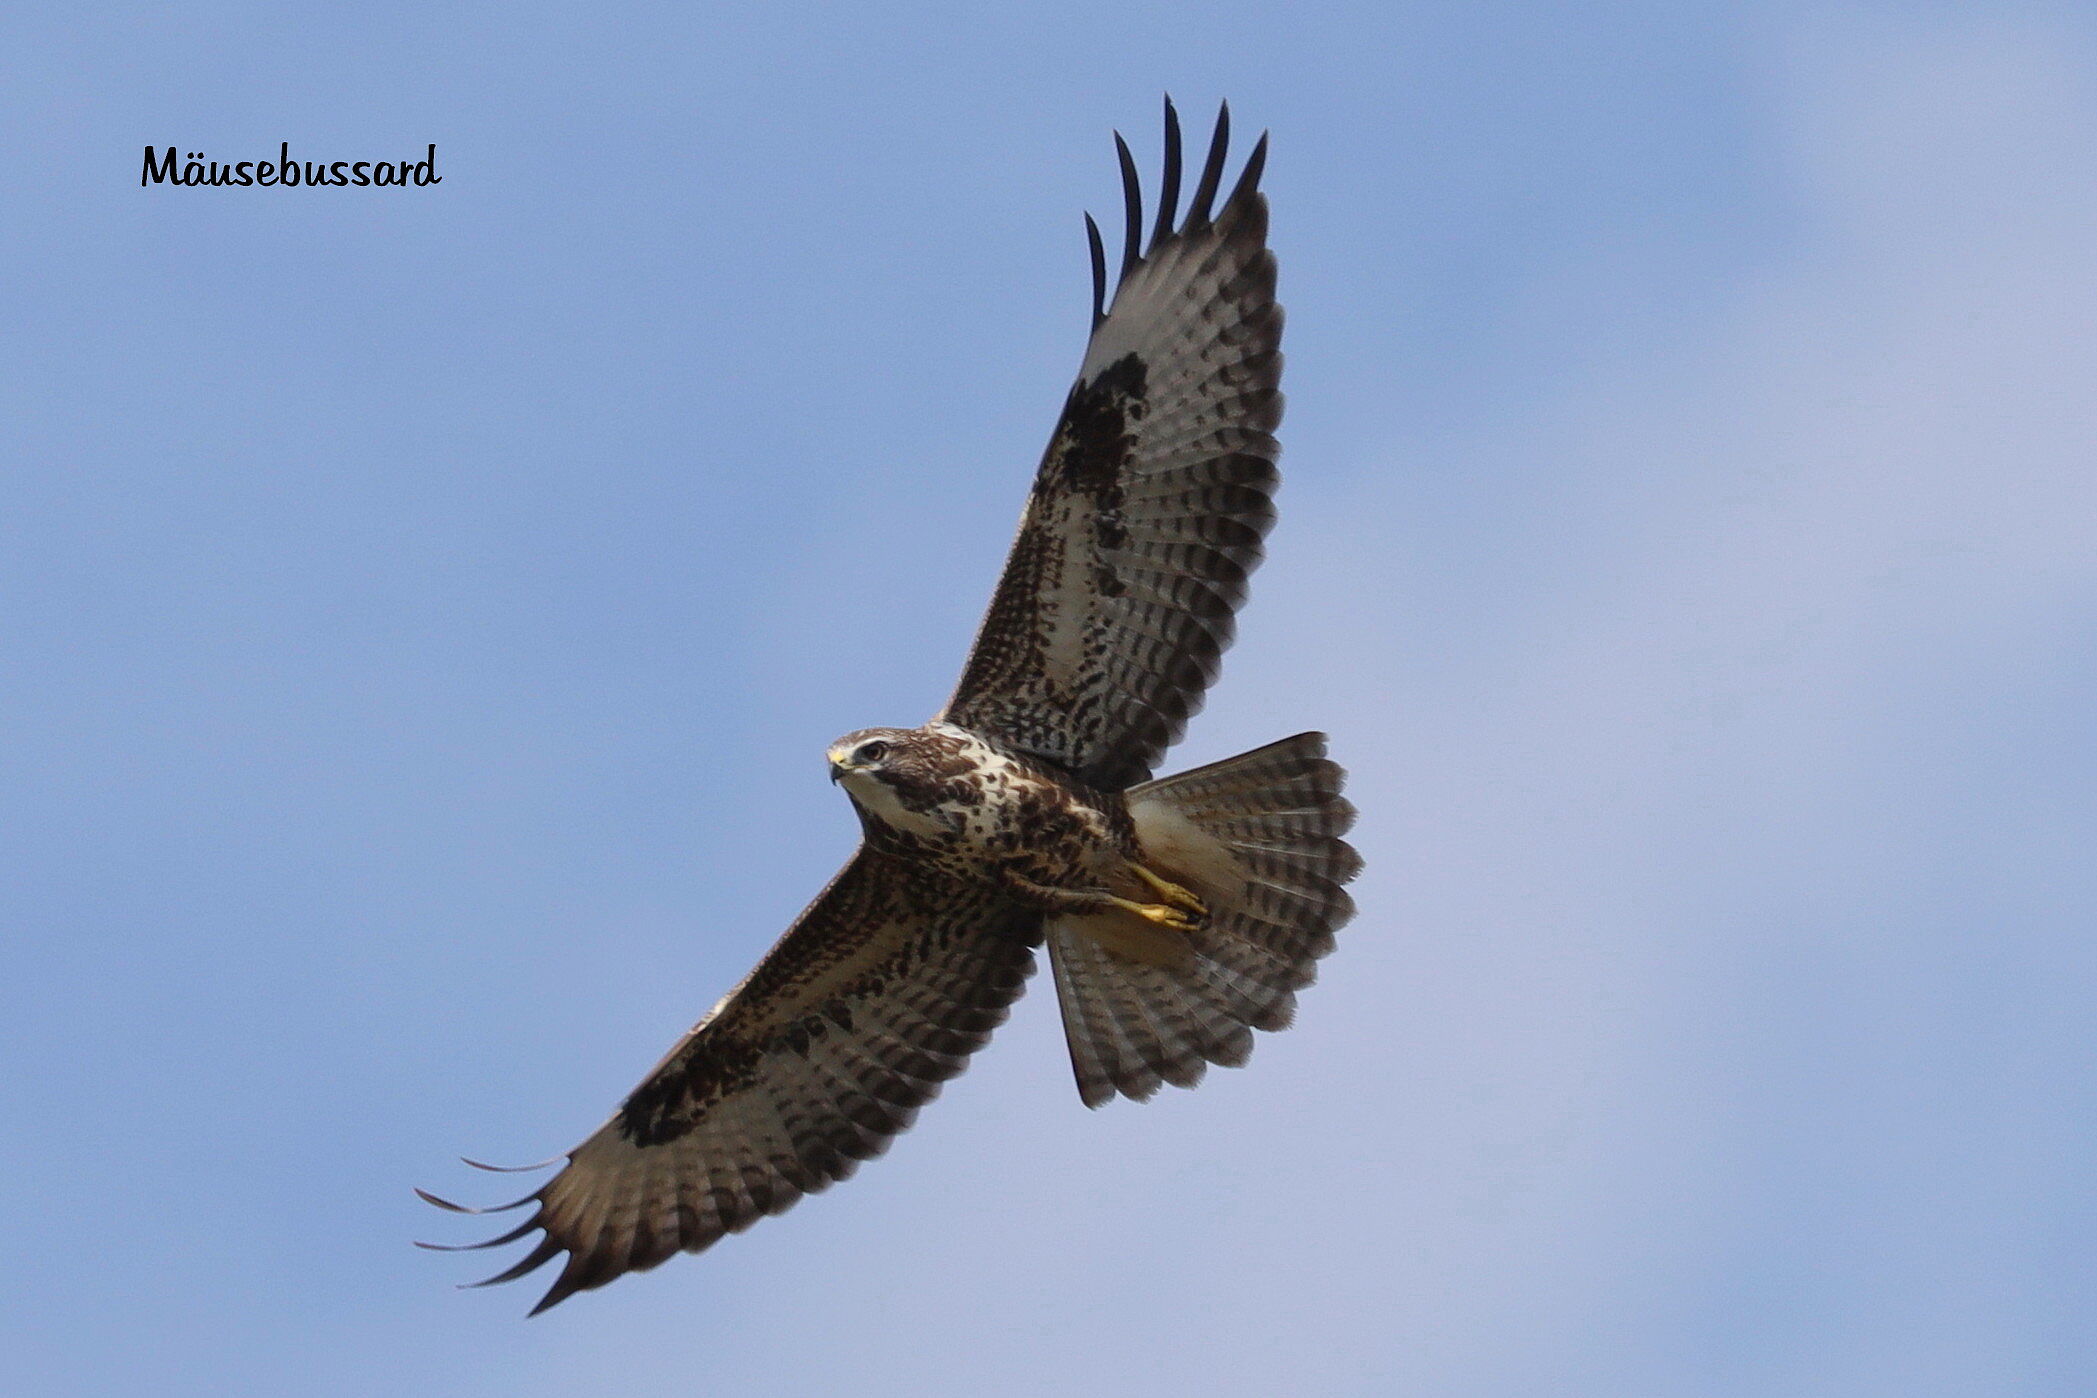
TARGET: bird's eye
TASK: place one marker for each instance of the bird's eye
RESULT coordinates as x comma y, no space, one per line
871,752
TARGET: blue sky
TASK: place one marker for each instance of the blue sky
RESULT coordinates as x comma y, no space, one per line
425,611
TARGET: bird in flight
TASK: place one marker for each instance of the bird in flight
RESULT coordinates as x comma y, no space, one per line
1180,914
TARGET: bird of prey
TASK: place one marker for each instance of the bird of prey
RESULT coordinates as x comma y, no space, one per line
1179,914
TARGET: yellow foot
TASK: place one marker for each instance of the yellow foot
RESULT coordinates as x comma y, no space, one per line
1172,893
1163,914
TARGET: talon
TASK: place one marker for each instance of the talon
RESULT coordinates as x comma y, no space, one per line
1163,914
1166,916
1172,893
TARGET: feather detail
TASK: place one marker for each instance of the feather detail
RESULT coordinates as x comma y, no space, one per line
1150,505
772,1097
1260,837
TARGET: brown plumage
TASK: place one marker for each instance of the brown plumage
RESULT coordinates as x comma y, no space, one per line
1180,914
1151,502
1260,838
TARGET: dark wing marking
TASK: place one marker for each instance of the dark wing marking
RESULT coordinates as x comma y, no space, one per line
876,996
1150,505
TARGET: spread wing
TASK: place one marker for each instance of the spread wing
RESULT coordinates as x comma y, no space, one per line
878,994
1151,502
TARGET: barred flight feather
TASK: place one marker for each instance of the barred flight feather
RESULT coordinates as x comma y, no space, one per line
771,1097
1151,503
1260,837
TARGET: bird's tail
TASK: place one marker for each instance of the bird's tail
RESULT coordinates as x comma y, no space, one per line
1258,838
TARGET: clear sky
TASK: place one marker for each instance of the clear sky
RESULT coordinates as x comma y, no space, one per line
425,611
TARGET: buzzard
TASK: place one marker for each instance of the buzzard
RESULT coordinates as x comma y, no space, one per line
1180,914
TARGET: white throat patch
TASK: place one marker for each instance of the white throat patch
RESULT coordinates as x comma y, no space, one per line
880,800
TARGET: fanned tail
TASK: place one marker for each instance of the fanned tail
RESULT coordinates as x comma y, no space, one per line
1260,838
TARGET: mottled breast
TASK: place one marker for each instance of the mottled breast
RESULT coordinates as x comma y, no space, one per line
943,796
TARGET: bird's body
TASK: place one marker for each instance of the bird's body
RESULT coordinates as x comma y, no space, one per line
1179,914
954,803
951,805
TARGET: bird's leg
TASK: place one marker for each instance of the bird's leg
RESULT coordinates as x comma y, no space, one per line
1179,897
1163,914
1082,901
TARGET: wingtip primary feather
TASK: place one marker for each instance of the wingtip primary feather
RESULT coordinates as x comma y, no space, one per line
1211,170
584,1271
514,1169
450,1207
1099,270
1132,210
510,1237
555,1294
531,1262
1169,187
1249,179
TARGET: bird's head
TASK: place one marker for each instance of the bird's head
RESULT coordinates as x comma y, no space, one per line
869,754
901,777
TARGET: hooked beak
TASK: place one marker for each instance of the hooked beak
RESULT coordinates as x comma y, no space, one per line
839,765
